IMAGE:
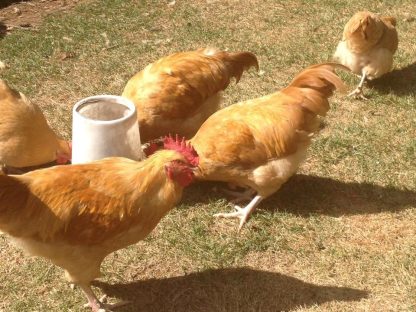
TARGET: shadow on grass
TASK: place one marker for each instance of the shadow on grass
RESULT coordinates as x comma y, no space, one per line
6,3
3,30
237,289
399,81
305,195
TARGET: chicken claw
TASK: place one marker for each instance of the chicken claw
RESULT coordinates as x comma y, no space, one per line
104,307
358,94
99,305
241,213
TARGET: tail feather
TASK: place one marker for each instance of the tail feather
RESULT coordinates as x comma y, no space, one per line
238,62
317,83
235,62
390,19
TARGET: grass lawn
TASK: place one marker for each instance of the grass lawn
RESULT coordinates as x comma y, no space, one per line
339,236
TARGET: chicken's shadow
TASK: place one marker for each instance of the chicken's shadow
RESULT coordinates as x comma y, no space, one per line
3,30
231,289
400,81
6,3
305,195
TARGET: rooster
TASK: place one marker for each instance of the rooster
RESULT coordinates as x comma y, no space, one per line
368,44
76,215
259,144
25,136
177,93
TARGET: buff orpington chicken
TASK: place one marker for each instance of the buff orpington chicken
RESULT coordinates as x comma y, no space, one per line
76,215
259,144
177,93
26,139
368,44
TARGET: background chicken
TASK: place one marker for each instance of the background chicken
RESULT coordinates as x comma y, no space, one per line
25,137
76,215
177,93
367,47
259,144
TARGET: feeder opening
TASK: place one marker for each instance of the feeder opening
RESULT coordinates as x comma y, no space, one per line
103,110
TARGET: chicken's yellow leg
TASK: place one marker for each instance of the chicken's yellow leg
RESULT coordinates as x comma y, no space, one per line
358,92
96,304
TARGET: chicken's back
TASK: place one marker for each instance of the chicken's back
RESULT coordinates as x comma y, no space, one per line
177,93
25,137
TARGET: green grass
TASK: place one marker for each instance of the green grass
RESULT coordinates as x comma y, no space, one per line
339,236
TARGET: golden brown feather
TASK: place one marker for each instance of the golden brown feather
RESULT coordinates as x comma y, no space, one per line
177,93
260,143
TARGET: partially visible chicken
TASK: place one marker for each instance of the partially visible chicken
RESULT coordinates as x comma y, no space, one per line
177,93
368,44
25,137
259,144
76,215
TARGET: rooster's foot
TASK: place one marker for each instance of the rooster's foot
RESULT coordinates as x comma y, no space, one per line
358,94
101,306
241,213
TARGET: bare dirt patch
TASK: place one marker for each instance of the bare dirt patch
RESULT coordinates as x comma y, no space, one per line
29,14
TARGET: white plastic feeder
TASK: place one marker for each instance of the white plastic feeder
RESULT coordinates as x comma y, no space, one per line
104,126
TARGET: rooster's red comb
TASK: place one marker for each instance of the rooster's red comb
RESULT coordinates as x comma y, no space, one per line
182,147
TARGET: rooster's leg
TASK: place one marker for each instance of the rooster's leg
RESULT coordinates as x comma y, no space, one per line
242,213
358,92
93,301
96,304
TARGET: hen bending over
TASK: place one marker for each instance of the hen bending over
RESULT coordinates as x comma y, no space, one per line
177,93
368,44
25,137
259,144
76,215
